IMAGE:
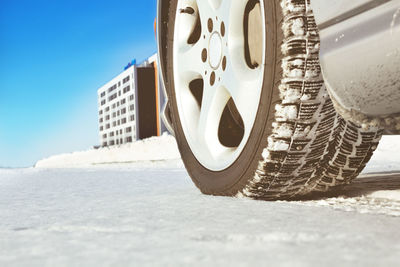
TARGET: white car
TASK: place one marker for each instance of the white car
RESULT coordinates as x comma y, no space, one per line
278,99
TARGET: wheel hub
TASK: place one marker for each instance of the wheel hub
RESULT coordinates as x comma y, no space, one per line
215,50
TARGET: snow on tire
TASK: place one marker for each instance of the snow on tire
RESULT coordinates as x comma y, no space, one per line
295,143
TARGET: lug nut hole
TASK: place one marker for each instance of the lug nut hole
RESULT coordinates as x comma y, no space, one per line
223,29
212,78
224,64
204,55
210,25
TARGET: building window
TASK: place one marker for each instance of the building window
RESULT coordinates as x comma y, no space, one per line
118,112
113,106
107,109
119,84
108,126
114,114
112,143
128,129
112,97
101,128
120,131
101,112
103,94
123,121
123,101
104,144
131,97
132,117
129,139
126,79
112,88
132,107
123,111
111,134
127,89
107,117
103,102
119,122
120,140
117,132
118,104
114,123
104,135
119,93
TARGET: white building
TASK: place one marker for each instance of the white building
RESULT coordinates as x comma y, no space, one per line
129,105
117,109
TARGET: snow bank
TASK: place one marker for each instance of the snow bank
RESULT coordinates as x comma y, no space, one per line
163,152
386,157
160,151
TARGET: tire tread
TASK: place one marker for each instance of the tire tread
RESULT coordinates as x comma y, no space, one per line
312,148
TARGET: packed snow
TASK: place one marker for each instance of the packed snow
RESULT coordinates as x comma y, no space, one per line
135,214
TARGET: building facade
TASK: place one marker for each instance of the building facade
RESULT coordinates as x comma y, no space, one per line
117,109
129,105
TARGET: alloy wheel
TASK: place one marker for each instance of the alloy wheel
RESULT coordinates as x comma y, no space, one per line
219,58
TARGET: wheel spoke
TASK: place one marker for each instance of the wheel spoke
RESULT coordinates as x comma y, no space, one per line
213,104
232,13
206,11
244,85
189,61
187,21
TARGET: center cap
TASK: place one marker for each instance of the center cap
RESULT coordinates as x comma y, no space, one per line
215,50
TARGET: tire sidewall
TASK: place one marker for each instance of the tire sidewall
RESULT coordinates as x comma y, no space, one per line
234,178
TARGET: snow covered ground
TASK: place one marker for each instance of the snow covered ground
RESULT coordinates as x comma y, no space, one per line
133,215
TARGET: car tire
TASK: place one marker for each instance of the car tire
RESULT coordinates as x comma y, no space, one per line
294,142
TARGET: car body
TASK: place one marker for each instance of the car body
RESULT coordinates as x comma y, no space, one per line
359,53
360,57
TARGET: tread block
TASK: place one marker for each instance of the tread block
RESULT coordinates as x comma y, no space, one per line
308,110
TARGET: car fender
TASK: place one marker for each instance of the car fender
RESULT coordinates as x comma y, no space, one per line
360,58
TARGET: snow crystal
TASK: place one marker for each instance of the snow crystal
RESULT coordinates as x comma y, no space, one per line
265,154
288,112
386,194
393,23
283,130
298,62
297,27
295,73
305,97
291,96
277,145
312,73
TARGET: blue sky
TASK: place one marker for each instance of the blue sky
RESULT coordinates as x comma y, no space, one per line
54,55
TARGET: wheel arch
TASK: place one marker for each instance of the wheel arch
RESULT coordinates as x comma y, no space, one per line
162,23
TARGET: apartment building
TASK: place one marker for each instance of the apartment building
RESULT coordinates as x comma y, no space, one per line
117,109
129,105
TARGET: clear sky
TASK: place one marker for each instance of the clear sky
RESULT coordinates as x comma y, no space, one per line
54,55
